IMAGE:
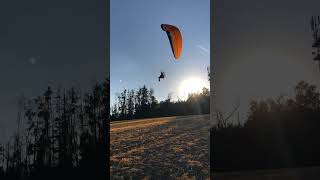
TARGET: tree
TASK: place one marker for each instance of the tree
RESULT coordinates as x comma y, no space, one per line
115,113
142,102
307,97
122,103
153,103
130,103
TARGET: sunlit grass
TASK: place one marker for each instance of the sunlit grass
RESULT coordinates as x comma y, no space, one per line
161,147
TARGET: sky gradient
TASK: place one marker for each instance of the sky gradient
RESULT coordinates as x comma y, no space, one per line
261,49
140,48
56,43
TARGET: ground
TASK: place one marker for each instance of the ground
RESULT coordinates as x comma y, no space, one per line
160,148
309,173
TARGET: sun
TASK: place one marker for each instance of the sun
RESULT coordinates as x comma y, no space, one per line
191,85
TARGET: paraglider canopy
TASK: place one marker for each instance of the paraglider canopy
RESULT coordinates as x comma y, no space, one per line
175,39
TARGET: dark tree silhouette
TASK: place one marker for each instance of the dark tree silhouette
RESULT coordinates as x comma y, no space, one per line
279,133
65,136
141,103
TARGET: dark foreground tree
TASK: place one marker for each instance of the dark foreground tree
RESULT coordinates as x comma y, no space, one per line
279,133
65,136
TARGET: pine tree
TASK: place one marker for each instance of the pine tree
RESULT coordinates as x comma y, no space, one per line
130,103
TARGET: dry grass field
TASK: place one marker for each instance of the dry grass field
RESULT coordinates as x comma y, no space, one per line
160,148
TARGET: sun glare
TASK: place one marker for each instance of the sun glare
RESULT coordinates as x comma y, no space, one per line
190,85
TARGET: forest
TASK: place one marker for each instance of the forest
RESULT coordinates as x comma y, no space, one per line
281,132
141,103
62,133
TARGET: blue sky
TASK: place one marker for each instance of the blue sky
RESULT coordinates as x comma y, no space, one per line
140,48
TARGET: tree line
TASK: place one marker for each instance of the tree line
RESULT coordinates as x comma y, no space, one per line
280,132
141,103
61,133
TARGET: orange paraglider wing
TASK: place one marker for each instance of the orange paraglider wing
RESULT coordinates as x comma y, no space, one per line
175,39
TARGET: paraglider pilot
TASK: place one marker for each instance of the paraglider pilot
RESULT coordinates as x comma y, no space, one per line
161,76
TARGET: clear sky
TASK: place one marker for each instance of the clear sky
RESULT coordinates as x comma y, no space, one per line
261,49
140,49
61,42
